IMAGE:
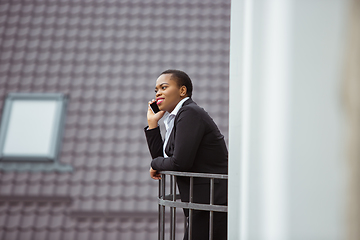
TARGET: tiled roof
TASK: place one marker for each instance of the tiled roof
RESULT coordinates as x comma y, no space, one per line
51,221
106,55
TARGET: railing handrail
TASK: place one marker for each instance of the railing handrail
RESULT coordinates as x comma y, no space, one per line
193,174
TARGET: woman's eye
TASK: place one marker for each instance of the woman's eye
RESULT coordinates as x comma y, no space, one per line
164,87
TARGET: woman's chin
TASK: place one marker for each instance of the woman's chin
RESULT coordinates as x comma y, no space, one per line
162,107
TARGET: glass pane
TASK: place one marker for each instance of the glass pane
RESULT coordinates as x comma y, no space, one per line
31,127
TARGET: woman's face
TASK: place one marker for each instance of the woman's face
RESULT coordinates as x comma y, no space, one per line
168,93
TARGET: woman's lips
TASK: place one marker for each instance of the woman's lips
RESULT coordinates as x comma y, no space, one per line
159,101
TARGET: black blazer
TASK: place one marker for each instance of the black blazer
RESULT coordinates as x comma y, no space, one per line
195,145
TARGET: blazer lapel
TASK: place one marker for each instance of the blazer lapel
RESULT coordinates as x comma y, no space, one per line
169,149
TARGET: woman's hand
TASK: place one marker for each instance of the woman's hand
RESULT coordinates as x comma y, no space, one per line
154,174
152,118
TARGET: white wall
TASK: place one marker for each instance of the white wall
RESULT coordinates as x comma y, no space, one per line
285,138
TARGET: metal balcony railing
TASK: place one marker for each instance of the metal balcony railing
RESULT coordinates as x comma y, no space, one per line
170,201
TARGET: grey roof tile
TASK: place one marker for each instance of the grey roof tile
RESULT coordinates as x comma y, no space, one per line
10,234
106,163
7,178
56,221
70,234
101,204
90,177
55,234
61,189
98,234
27,222
112,235
103,177
75,189
86,203
83,225
13,221
47,189
18,189
42,221
87,192
34,189
3,219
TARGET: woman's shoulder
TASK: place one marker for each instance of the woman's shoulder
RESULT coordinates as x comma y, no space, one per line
192,108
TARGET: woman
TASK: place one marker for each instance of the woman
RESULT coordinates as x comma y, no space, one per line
193,143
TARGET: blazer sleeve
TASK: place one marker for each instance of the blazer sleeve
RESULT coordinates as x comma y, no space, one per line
154,141
190,130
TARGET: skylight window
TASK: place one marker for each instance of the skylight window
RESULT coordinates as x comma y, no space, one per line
31,127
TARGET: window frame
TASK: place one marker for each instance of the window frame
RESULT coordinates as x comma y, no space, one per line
39,162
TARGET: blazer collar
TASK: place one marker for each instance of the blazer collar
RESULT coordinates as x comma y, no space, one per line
187,102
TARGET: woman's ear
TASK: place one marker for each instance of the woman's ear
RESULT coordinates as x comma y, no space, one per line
183,91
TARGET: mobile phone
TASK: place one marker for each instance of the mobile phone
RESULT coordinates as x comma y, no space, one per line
154,107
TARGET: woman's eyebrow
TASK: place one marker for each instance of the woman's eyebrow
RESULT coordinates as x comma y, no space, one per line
161,85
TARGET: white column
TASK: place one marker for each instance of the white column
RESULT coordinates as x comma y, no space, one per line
274,123
239,117
285,146
272,106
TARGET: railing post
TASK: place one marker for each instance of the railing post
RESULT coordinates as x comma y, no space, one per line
159,217
173,209
185,224
191,210
161,235
211,220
